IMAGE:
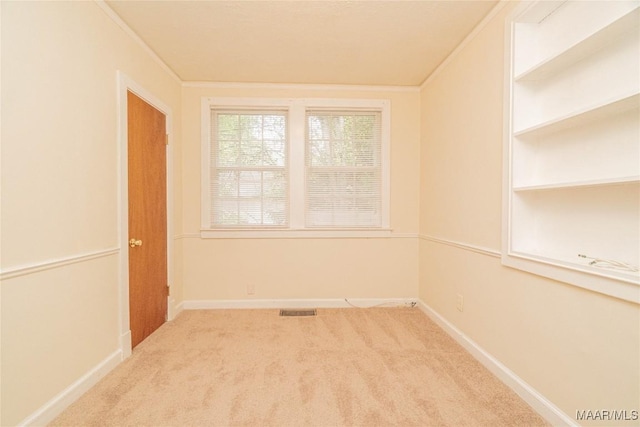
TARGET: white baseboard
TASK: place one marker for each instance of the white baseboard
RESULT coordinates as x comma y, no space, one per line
125,344
173,309
537,401
178,309
296,303
50,410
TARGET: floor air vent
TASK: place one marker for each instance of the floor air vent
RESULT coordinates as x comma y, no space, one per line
298,313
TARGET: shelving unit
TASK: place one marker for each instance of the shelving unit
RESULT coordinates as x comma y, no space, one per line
572,143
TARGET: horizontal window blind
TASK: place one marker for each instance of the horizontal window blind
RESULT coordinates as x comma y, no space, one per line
249,173
343,169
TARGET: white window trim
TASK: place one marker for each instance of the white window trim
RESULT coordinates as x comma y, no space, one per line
296,145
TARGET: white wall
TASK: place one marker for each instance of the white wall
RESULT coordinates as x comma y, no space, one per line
218,269
577,348
60,193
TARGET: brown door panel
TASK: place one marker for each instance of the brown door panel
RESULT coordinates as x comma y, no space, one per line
147,218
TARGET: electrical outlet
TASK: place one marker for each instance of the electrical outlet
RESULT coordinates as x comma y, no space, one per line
251,289
459,302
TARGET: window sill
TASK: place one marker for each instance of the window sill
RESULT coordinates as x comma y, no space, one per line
617,284
321,233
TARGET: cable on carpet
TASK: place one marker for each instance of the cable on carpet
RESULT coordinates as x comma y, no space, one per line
395,304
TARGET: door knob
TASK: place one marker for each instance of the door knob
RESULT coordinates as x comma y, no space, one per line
133,243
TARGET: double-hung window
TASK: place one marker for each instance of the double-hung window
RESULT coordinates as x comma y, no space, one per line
295,167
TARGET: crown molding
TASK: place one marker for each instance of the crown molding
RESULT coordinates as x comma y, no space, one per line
300,86
463,44
127,29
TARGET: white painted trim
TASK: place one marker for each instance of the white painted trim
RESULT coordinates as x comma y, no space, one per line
50,410
125,344
187,236
135,37
169,209
172,310
385,165
125,84
466,246
205,160
404,235
463,44
607,282
23,270
299,87
297,175
288,102
296,303
296,234
507,126
291,234
537,401
177,308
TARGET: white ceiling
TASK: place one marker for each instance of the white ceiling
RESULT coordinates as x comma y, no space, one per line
364,42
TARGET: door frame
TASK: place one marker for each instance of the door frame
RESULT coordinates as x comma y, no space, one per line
126,84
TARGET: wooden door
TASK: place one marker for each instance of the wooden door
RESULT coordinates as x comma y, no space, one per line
147,218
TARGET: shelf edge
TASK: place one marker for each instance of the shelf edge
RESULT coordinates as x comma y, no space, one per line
633,179
609,107
582,48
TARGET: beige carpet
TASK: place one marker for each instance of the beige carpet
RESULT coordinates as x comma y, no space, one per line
345,367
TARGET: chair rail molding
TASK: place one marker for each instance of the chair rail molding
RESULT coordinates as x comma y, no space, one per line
36,267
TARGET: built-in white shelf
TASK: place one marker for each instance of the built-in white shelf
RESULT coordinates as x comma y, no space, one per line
574,262
572,143
590,113
583,48
579,184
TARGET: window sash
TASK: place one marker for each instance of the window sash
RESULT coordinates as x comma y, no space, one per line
249,169
343,169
